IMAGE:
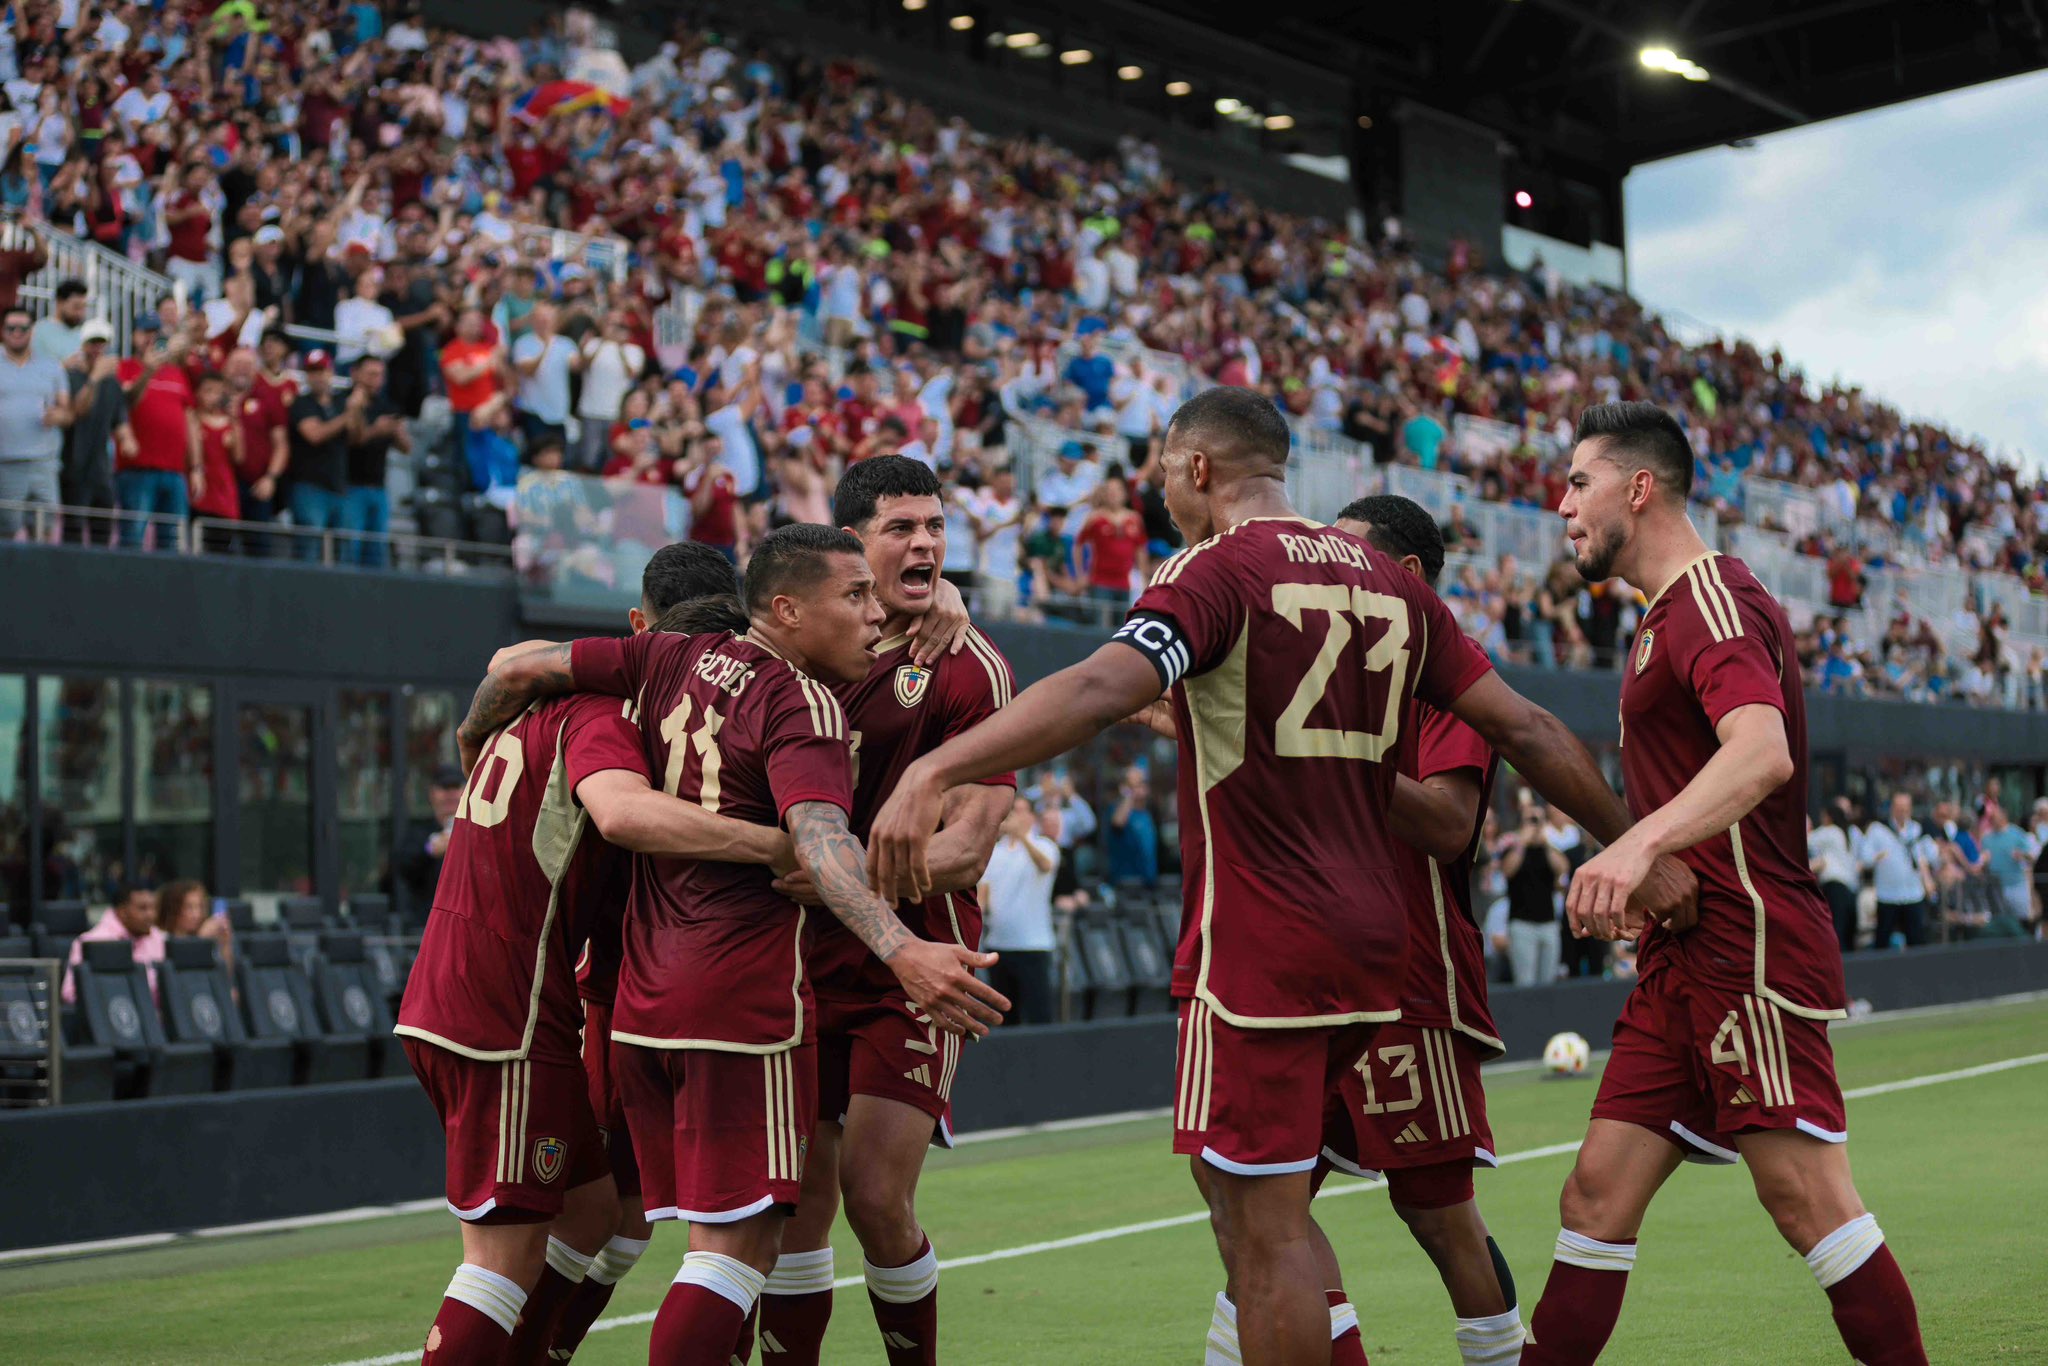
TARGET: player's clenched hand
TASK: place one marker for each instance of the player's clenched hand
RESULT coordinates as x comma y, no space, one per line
798,887
1156,717
901,835
1669,895
943,630
941,980
1597,904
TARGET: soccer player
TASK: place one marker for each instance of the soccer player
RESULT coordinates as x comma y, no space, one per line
1413,1109
1722,1049
1294,932
584,1265
714,1026
490,1019
885,1071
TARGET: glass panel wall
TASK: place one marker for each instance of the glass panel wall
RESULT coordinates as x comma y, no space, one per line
14,753
363,801
79,749
274,784
174,780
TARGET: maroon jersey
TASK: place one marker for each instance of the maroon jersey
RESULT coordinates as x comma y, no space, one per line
900,712
1296,904
494,978
1446,956
1714,640
713,954
599,917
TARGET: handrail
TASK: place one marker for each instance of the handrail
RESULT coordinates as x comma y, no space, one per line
49,523
453,556
120,290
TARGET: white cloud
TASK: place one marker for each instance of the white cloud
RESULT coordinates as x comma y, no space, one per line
1905,251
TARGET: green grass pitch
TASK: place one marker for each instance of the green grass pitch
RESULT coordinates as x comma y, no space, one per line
1953,1170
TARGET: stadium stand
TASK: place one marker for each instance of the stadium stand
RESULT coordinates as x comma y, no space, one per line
949,281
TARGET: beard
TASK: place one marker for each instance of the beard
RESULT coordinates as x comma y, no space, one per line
1597,554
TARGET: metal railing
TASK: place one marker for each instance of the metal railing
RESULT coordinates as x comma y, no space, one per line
402,551
118,288
58,523
603,256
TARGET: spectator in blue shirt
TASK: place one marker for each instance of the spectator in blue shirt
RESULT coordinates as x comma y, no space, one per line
1091,374
1133,837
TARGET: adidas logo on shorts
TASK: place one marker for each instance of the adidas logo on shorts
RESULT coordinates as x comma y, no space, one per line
1412,1134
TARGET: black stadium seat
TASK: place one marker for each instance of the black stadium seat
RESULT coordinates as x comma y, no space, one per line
1109,974
351,1000
1151,970
17,946
116,1010
1166,924
199,1008
241,916
369,912
277,1003
63,917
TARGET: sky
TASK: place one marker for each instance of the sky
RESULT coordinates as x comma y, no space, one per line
1904,250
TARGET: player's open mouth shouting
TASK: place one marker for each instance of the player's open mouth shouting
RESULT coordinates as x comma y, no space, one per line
915,581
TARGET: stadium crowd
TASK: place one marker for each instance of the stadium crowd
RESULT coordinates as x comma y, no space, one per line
818,270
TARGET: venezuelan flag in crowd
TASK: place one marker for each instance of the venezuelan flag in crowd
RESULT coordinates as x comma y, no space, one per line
567,97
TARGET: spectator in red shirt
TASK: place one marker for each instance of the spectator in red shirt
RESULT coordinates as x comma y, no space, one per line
1845,580
215,492
260,410
192,259
1111,544
714,499
162,473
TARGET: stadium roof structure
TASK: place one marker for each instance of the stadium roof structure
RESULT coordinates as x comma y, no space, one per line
1617,82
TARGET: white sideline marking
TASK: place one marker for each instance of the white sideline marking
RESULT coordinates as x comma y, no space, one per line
133,1240
1103,1235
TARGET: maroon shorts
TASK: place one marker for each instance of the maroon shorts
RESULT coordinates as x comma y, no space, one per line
604,1097
1698,1064
520,1133
720,1136
1251,1101
888,1048
1413,1100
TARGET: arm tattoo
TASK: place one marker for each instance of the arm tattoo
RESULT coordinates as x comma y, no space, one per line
506,691
839,868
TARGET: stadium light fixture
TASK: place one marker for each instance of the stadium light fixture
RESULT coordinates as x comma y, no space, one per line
1524,200
960,23
1279,123
915,5
1365,122
1179,88
1076,56
1670,63
1227,106
1129,73
1037,50
1021,40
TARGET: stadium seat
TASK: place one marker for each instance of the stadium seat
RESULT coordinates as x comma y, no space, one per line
351,1000
51,943
241,916
17,946
390,959
1151,970
67,918
116,1011
1109,973
1166,925
369,912
27,1014
277,1003
301,919
198,1007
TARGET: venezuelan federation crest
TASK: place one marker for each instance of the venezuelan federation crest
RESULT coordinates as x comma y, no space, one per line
547,1158
1643,648
911,682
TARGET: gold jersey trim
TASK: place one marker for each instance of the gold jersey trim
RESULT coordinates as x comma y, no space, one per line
1756,901
796,992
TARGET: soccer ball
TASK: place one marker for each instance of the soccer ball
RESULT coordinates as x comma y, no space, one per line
1566,1055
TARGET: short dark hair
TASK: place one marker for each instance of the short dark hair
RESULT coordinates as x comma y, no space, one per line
71,288
683,572
866,483
1645,436
705,616
1243,423
793,558
125,891
1400,526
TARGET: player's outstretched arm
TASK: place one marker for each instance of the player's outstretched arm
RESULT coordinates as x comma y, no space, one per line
1754,760
627,811
937,977
539,668
971,819
1047,719
1543,749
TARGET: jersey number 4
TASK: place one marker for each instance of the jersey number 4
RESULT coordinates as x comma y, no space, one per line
683,742
1293,737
